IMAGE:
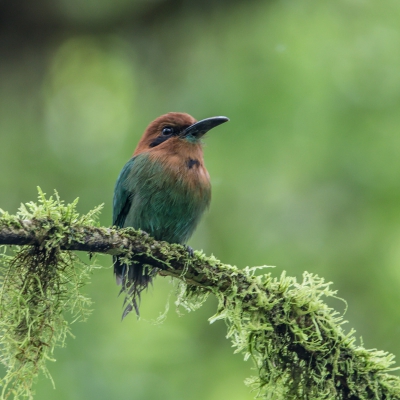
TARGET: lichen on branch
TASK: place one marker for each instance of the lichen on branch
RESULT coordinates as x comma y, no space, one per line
298,344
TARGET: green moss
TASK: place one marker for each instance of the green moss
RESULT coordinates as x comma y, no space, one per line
39,286
296,341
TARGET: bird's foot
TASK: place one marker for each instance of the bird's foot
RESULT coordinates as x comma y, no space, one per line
190,251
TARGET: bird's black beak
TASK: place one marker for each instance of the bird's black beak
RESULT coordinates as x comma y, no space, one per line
198,129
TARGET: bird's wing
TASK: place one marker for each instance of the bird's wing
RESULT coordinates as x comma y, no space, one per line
134,279
122,197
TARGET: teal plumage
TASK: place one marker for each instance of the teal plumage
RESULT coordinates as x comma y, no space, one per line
163,190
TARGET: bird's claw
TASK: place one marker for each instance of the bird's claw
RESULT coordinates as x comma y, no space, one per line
190,251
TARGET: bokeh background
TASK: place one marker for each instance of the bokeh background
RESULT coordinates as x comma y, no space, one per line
306,175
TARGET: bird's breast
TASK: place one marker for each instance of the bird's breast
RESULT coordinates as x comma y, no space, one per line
169,195
184,164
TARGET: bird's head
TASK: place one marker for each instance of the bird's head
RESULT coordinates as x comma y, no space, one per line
173,128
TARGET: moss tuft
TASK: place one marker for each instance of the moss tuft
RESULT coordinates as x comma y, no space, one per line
39,285
296,341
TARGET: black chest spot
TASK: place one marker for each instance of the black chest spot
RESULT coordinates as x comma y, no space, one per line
192,163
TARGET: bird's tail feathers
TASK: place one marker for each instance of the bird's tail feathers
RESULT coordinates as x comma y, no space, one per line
134,279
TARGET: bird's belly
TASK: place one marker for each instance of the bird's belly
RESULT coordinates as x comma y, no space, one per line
167,208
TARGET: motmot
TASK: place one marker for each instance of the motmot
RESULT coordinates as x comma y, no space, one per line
163,190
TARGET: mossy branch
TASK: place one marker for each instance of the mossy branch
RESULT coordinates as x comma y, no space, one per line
296,341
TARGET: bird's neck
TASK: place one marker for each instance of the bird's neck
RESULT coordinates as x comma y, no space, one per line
184,159
179,154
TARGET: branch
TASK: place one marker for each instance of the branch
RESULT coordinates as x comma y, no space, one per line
138,245
296,341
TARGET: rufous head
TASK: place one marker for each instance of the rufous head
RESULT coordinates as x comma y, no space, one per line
172,128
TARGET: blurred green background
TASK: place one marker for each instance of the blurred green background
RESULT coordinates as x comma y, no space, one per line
306,175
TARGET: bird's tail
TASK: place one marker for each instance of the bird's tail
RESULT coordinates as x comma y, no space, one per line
134,278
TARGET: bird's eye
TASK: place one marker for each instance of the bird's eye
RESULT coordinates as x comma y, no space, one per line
167,130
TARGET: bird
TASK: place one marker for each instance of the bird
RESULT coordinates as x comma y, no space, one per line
163,190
